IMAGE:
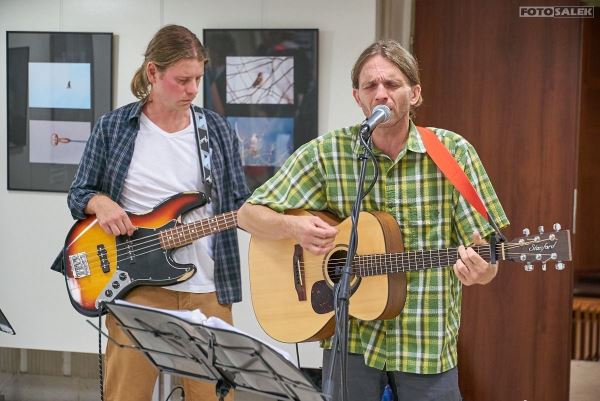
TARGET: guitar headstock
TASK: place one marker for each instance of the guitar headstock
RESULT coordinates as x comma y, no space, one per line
540,248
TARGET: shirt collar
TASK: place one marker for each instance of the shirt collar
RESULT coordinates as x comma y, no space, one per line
136,111
414,142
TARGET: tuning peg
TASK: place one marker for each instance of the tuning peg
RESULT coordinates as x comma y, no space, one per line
523,257
544,266
556,227
559,266
528,267
541,229
526,232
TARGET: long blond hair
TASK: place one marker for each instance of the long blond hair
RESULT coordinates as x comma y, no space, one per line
169,45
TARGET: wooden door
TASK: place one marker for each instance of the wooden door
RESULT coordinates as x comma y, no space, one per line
510,85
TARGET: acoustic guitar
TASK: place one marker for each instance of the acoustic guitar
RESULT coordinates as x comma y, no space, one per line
292,290
100,267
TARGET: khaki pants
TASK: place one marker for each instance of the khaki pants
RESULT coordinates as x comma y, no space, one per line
129,375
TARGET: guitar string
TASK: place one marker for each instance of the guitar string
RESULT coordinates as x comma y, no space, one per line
420,259
484,251
152,240
357,270
368,265
231,214
134,251
152,246
378,268
303,265
230,218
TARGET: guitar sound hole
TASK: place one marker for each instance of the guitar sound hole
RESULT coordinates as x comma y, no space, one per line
335,265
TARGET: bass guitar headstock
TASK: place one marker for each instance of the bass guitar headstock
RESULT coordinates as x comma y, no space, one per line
540,248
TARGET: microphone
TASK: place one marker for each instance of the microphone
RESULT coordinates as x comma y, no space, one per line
380,114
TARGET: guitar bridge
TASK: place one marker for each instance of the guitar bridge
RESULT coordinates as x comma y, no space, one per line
297,265
79,265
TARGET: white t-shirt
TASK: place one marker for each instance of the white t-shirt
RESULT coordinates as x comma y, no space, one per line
164,164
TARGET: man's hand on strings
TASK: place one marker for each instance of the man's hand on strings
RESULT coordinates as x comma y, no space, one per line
312,233
472,268
111,217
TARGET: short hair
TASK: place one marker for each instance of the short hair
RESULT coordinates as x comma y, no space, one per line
169,45
392,51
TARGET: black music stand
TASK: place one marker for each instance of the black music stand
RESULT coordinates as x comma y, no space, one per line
227,357
5,325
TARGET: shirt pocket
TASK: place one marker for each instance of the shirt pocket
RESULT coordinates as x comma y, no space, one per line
424,227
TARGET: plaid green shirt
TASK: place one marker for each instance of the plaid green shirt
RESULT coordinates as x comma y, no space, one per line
323,175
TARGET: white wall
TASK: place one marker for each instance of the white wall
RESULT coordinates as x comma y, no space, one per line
34,224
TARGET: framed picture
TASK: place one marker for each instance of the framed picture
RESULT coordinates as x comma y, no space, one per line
264,81
58,85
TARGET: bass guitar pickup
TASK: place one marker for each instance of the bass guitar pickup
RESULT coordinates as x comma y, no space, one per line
103,256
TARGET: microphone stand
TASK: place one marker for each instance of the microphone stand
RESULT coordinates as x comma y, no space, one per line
339,346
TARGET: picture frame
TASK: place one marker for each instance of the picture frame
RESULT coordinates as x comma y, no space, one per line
58,85
265,83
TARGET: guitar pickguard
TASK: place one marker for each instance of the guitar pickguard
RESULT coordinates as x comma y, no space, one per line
321,297
141,255
141,260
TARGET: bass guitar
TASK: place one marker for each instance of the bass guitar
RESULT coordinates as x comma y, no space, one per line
292,290
100,267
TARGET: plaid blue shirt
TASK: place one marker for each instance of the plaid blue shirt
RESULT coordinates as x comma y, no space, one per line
104,166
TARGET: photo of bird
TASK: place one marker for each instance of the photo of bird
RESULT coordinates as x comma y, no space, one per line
258,81
56,139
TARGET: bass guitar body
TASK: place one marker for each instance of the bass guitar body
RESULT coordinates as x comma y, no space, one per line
100,267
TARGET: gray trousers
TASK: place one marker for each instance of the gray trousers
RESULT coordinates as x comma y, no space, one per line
366,384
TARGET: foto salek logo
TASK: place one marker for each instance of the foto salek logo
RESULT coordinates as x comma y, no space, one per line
557,11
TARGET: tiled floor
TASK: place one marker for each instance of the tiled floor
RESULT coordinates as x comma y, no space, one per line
585,386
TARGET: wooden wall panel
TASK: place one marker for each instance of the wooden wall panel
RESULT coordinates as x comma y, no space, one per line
510,85
588,172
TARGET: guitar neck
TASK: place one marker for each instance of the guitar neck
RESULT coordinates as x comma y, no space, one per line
372,265
185,234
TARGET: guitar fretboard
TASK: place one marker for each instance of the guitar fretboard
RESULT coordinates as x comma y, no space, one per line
372,265
185,234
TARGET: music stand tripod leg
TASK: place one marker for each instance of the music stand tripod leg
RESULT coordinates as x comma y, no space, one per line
222,389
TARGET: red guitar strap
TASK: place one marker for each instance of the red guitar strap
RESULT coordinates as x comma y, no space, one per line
448,165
